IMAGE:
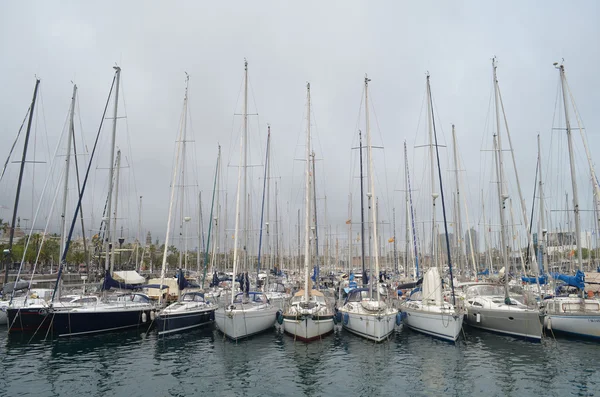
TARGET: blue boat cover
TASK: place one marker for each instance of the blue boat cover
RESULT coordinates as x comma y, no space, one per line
183,283
543,279
578,280
486,272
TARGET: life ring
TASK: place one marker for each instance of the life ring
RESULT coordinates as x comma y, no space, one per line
43,312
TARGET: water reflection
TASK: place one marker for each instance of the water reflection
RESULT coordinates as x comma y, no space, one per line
203,362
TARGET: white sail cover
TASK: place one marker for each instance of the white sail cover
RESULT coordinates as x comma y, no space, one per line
129,277
432,287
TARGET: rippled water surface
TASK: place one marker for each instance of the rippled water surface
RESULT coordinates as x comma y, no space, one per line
201,362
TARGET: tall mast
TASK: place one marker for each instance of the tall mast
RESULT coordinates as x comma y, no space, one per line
23,158
459,218
63,227
298,239
113,254
412,215
372,189
139,238
434,195
182,181
349,223
216,219
314,181
362,213
395,249
406,215
307,201
262,211
572,166
268,196
486,235
245,144
370,220
237,199
502,196
111,170
542,226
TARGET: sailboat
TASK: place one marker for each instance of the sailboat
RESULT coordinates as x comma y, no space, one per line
117,312
489,306
248,313
573,315
364,312
431,315
191,309
308,316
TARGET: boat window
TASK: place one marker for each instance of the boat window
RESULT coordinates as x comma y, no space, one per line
258,298
139,298
85,300
477,304
198,298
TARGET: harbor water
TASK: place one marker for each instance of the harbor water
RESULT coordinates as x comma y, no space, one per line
202,363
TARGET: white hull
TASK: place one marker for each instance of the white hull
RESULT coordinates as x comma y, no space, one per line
445,326
376,327
575,324
306,328
241,322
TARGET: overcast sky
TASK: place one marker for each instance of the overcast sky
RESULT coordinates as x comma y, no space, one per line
329,44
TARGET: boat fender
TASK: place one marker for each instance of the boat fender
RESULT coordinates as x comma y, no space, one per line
549,323
152,315
144,318
478,317
337,318
346,318
398,318
279,317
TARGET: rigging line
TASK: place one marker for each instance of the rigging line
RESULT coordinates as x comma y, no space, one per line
36,213
14,143
387,187
87,173
129,150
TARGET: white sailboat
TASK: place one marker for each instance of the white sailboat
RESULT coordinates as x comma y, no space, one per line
308,315
430,314
574,315
364,312
248,313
